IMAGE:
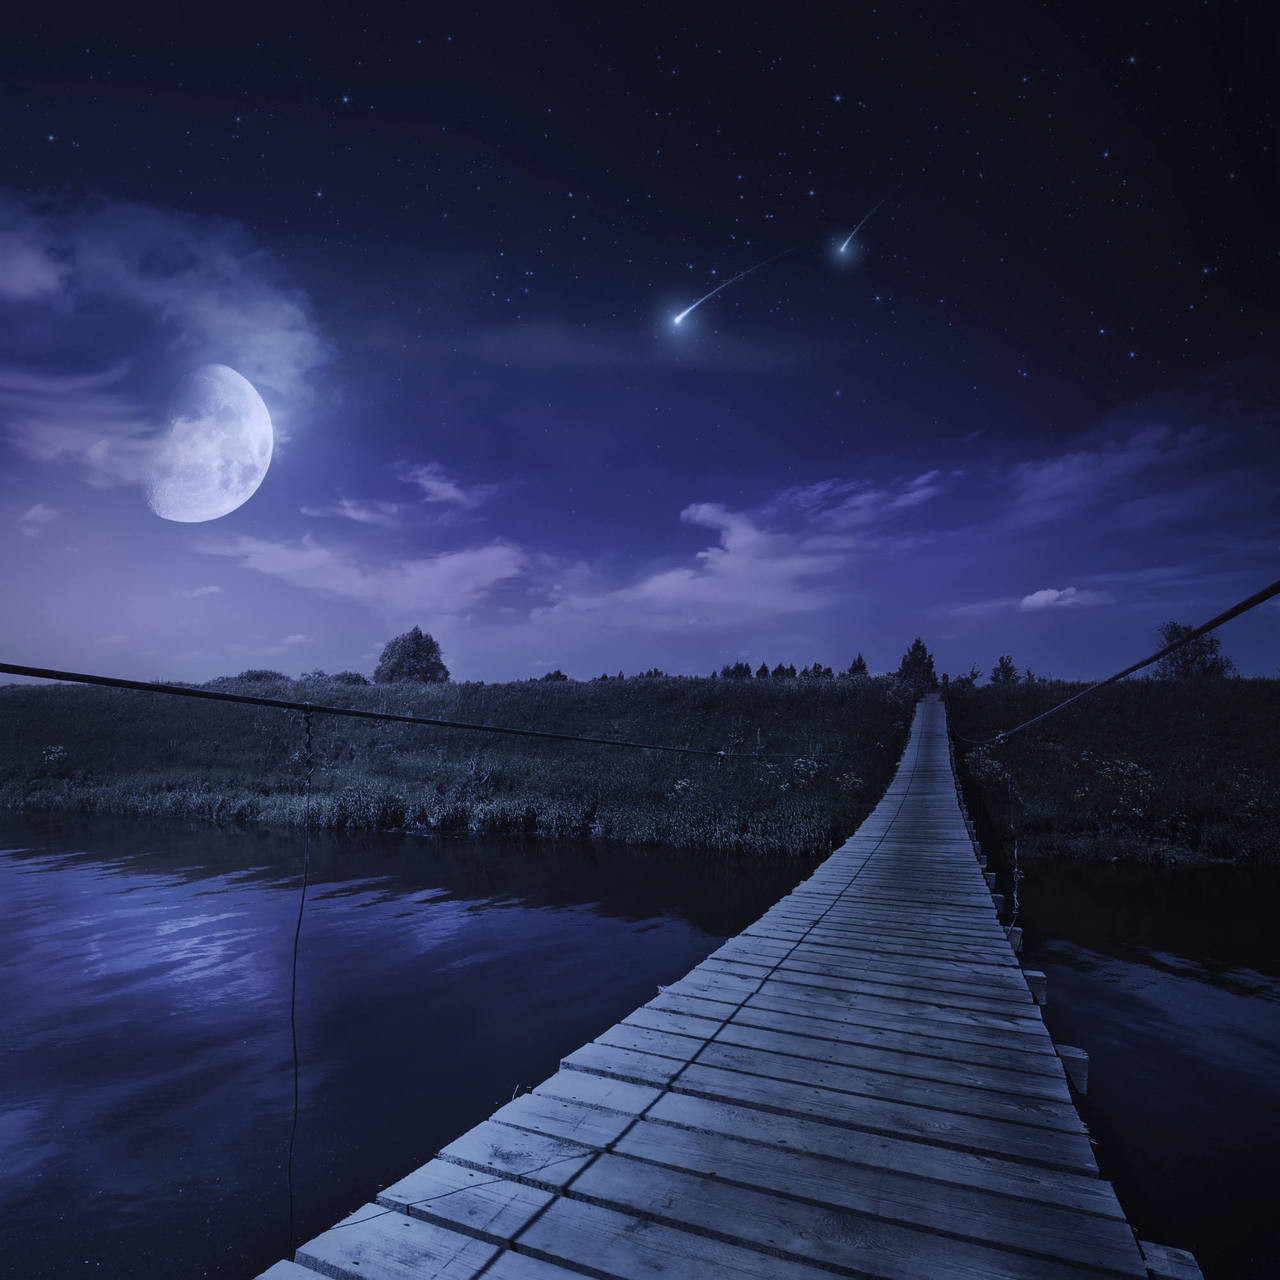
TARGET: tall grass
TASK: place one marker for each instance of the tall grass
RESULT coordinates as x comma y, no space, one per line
117,751
1148,769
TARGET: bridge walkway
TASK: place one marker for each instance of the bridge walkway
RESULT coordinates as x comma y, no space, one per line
859,1083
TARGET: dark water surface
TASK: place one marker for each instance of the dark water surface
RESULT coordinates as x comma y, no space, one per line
145,1079
1170,979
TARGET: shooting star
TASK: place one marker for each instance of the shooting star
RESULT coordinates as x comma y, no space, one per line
733,280
844,248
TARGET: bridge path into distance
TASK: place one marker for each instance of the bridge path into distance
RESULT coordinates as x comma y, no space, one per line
860,1083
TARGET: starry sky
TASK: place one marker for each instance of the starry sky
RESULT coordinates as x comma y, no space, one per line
1030,410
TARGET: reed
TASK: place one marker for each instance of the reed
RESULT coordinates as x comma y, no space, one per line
96,750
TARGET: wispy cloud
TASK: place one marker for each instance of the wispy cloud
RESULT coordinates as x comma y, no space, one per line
196,592
371,511
447,583
153,292
89,421
34,519
437,486
28,268
983,608
1056,487
1045,598
1064,598
780,560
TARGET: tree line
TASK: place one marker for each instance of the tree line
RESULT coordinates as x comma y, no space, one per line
416,657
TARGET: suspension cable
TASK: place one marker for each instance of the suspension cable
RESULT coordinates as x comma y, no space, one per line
257,700
1259,597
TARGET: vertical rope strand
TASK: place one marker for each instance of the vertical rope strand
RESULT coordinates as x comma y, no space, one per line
1013,837
293,980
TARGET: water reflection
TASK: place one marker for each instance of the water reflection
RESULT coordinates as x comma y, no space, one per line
1170,978
144,1047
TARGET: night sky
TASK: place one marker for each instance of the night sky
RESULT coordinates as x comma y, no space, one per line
1030,410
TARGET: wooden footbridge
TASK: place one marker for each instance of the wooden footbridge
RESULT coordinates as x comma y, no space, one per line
858,1084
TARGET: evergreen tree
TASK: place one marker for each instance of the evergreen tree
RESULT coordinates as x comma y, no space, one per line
762,671
916,667
1004,672
1201,659
858,667
779,672
412,656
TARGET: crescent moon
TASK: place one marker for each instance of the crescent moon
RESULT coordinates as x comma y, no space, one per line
217,448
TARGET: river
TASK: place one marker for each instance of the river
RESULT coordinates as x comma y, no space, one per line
1169,978
145,1077
145,1062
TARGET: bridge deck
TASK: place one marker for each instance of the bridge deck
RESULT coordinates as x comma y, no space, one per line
860,1082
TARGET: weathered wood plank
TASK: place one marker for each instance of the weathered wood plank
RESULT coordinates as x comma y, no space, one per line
381,1244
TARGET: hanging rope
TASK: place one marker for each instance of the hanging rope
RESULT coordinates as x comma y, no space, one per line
255,700
297,934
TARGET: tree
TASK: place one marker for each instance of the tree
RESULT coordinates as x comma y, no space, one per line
762,671
1200,659
916,666
412,656
738,671
349,677
858,667
557,674
1004,672
967,681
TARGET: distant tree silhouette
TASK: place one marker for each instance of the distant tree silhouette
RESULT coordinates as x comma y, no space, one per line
816,672
858,667
762,671
260,675
412,656
557,674
1004,672
916,666
738,671
967,681
349,677
1201,659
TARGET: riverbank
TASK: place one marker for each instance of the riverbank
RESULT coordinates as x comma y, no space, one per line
1151,772
87,750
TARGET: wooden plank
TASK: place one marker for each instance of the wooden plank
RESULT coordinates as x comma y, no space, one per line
381,1244
977,1075
633,1247
885,1154
831,1231
473,1198
876,1114
951,994
1164,1263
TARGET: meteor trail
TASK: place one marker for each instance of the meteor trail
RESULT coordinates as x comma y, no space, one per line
844,248
733,280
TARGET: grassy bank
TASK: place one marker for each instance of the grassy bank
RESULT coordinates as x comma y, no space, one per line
82,749
1145,770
